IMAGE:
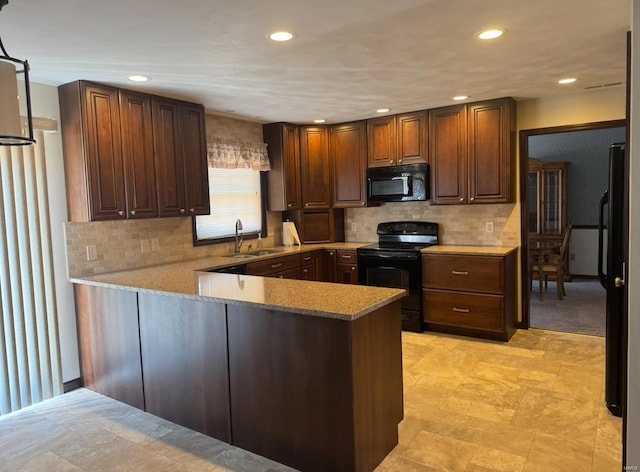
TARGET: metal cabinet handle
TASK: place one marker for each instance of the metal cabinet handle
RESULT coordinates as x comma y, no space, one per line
307,258
472,199
353,267
182,210
458,272
461,310
461,199
618,282
346,256
275,266
133,212
192,210
121,213
289,205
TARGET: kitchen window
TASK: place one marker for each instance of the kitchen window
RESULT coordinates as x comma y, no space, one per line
234,194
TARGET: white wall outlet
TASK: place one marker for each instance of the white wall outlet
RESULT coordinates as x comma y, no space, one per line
144,246
92,252
488,227
155,244
354,226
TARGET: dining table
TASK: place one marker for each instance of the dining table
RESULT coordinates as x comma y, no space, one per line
539,252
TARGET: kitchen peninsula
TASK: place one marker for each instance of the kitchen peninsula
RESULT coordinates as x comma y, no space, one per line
306,373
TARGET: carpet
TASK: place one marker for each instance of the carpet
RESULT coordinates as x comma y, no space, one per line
582,311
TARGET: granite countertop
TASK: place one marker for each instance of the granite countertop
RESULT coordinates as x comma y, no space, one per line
186,279
470,250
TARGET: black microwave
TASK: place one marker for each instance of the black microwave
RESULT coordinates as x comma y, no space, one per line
405,183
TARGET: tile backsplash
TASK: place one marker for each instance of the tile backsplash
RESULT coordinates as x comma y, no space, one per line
118,245
458,224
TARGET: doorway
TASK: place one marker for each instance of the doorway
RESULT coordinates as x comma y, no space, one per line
583,152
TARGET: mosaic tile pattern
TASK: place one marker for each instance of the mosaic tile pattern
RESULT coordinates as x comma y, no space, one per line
531,405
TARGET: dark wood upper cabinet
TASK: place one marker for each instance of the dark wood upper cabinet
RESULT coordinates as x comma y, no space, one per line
447,154
491,128
348,153
381,139
412,138
316,169
137,153
284,177
130,155
169,163
92,145
194,149
398,139
471,152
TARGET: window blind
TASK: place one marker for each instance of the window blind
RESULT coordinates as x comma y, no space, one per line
233,194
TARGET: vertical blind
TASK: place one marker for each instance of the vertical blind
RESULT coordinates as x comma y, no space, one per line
30,367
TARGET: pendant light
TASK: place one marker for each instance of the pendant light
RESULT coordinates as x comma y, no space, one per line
12,131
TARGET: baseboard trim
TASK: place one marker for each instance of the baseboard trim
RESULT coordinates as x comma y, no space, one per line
72,385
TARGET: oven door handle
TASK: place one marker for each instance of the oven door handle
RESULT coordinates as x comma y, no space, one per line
388,256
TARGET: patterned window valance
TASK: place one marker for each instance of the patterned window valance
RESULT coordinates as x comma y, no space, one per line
229,155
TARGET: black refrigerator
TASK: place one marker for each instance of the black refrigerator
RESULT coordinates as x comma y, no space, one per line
612,263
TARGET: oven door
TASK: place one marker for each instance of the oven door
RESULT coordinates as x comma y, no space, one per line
395,270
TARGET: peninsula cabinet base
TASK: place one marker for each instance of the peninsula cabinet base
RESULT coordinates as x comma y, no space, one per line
317,394
311,392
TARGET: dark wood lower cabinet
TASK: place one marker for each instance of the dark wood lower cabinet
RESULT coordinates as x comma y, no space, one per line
316,393
184,360
109,343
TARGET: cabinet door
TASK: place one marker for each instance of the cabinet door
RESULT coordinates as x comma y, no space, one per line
330,265
347,273
447,154
348,151
316,169
491,127
381,136
284,177
167,141
104,153
137,153
412,138
194,147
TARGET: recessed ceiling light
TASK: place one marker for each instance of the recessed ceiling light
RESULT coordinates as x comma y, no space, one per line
138,78
492,33
383,110
319,121
460,97
281,36
568,80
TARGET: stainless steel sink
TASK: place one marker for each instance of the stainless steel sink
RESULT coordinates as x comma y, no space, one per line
250,254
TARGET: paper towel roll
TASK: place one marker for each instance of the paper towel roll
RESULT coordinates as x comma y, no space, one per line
289,234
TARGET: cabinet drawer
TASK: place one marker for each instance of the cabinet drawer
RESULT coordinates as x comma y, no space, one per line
271,266
347,256
465,273
287,274
464,310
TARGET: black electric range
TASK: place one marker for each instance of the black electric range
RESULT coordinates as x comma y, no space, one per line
394,261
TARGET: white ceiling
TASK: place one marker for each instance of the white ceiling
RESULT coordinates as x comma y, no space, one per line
350,58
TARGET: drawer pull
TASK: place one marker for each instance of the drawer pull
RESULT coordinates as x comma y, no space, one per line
461,310
307,258
275,266
459,272
346,256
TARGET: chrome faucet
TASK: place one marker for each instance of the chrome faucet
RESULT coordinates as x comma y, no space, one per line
238,235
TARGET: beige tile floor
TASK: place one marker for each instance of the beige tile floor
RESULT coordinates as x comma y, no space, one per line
534,404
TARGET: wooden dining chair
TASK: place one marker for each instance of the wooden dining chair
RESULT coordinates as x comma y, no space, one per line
554,264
